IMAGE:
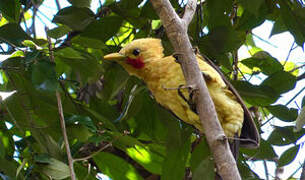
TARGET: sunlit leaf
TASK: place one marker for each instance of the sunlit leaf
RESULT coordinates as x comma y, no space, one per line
262,60
150,161
115,167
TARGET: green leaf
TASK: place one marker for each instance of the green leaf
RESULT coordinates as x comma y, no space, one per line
281,136
253,15
150,161
178,147
80,62
149,156
130,11
216,13
42,158
245,171
8,167
115,78
219,42
88,42
278,27
82,120
275,81
77,18
293,21
115,167
148,11
13,34
263,60
54,168
202,164
82,172
2,148
144,107
283,113
256,95
10,9
6,141
222,40
81,3
105,121
59,31
288,156
264,151
44,76
104,28
252,6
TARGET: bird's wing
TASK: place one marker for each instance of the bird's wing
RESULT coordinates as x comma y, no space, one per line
249,134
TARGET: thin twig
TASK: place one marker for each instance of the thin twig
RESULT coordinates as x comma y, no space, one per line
266,169
296,68
176,29
93,154
288,55
235,67
263,40
57,5
61,117
64,132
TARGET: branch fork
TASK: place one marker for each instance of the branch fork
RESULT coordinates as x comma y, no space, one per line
176,29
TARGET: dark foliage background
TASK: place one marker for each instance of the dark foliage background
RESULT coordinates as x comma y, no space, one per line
111,116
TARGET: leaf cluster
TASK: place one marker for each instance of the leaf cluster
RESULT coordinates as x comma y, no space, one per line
106,109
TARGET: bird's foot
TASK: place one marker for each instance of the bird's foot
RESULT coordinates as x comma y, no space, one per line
191,89
189,101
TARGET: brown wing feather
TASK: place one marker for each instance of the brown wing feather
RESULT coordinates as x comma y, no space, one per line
249,134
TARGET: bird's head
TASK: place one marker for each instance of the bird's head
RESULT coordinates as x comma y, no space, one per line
136,55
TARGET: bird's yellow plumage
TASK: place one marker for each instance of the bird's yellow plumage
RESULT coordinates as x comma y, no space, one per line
144,58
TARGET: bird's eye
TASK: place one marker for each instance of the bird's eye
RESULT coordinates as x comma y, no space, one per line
136,52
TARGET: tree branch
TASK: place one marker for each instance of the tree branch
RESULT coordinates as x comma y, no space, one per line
189,12
176,30
61,117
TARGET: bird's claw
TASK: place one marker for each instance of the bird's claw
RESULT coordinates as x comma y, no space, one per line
189,101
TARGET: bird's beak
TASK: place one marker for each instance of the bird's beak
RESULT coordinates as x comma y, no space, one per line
114,57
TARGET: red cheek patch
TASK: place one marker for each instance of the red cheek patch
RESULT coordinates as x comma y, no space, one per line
136,63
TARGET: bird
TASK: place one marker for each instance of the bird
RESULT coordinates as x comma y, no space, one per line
144,58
